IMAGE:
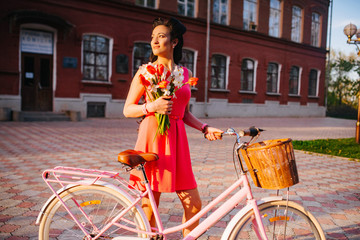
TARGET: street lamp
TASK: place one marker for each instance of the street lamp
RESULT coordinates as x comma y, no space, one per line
350,30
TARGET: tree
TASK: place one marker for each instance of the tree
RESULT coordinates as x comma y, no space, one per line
341,85
344,86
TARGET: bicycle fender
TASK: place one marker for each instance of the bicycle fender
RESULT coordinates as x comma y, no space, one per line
100,183
242,212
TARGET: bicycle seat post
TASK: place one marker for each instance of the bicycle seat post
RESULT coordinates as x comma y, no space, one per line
142,168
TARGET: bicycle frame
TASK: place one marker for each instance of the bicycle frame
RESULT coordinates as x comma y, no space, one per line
76,176
62,176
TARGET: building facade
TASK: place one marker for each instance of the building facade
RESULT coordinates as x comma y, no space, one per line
252,57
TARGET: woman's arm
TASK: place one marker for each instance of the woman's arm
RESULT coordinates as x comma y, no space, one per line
136,91
194,122
210,132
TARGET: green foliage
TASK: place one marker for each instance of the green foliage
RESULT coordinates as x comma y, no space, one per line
344,147
344,81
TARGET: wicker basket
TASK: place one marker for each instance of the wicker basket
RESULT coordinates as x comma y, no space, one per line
271,163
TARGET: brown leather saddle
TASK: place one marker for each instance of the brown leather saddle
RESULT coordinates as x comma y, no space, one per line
133,158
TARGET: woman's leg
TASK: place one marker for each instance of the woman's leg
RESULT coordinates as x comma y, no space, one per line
146,206
191,202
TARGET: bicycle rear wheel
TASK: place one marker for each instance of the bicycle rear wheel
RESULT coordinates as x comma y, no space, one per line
99,204
280,222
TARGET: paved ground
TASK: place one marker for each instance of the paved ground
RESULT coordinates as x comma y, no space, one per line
329,187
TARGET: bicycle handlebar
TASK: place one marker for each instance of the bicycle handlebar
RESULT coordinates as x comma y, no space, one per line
252,132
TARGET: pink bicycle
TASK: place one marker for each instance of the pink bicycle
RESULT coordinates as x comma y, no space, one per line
93,204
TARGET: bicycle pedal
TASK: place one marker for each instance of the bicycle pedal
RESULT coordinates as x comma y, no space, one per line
157,237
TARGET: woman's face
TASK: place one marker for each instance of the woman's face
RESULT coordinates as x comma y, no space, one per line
160,42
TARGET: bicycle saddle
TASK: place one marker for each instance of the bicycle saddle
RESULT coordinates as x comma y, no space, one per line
133,158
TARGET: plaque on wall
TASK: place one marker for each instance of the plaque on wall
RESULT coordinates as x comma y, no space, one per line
122,62
69,62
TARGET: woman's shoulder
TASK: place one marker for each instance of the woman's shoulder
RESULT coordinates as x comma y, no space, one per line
188,71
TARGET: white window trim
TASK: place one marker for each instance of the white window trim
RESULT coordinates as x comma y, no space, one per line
256,17
227,57
279,22
299,82
111,43
255,73
132,56
227,12
195,58
319,33
279,77
301,23
317,83
145,5
278,80
195,8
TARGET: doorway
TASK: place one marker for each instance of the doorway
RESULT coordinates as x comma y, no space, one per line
37,83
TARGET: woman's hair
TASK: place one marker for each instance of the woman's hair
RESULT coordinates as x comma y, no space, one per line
177,29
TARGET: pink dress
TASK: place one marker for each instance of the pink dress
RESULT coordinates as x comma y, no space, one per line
173,170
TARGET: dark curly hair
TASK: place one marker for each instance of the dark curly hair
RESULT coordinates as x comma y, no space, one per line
177,29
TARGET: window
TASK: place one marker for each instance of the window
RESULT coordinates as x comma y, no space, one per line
146,3
294,80
272,78
247,75
220,11
250,14
142,53
186,7
274,20
218,71
296,23
96,58
313,80
188,60
315,30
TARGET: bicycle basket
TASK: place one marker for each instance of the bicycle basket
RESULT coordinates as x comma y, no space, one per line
271,163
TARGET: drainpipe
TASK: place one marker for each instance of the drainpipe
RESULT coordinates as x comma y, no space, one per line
327,74
207,59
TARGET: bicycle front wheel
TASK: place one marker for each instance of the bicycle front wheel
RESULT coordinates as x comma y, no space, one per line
94,207
281,221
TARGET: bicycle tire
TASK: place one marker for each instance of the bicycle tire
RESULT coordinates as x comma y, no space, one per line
300,223
99,203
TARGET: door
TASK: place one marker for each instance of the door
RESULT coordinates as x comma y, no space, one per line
36,87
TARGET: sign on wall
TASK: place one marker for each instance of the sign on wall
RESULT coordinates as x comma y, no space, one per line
36,42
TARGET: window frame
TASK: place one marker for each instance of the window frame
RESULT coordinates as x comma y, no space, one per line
195,54
145,4
276,20
247,22
220,12
134,68
255,63
226,80
315,30
316,82
186,5
298,81
296,19
109,58
278,66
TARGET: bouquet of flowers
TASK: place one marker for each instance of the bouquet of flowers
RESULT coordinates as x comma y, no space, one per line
158,82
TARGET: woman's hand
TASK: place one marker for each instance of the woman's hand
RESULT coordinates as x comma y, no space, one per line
213,134
162,105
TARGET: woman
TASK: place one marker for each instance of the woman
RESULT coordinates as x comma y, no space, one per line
172,172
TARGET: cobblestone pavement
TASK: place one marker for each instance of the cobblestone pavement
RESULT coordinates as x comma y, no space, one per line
329,186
